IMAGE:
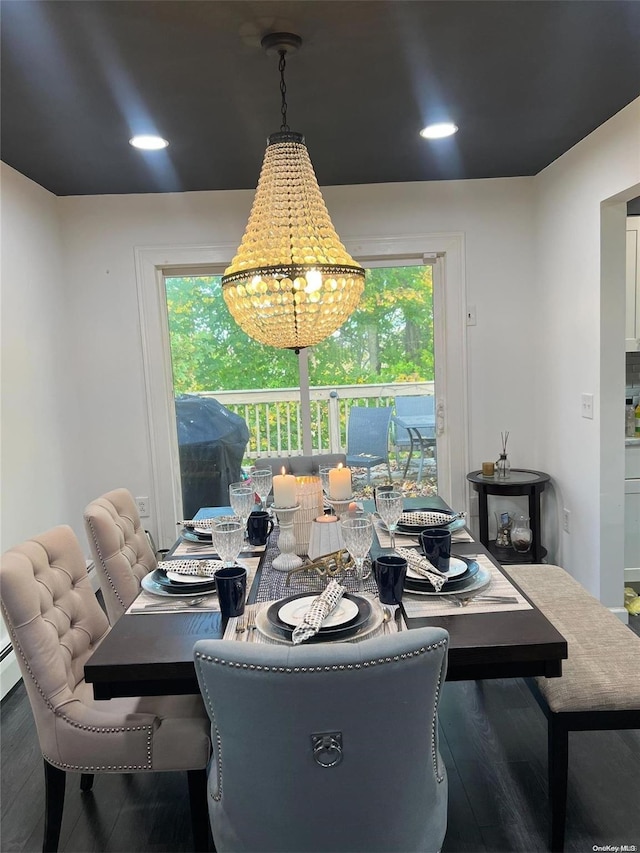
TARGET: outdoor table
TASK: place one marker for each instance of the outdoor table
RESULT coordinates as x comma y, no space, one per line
422,434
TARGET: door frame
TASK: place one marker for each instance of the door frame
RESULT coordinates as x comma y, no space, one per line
444,251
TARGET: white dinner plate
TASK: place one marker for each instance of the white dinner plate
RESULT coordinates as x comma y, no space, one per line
375,621
481,580
457,567
293,612
180,578
147,583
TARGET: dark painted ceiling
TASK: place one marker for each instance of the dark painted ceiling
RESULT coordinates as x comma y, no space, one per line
523,80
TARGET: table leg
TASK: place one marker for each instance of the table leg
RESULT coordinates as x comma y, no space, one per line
534,514
483,517
406,467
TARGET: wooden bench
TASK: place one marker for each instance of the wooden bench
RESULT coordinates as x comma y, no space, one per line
600,684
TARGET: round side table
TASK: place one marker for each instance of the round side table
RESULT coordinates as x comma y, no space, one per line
521,482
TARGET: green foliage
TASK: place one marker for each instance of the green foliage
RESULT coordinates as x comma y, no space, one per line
389,338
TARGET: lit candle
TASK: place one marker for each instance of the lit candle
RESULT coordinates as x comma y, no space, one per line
285,490
340,483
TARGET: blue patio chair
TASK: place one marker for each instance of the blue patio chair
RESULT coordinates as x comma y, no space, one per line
368,438
422,407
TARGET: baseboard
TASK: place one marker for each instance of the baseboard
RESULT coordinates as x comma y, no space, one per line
632,575
622,613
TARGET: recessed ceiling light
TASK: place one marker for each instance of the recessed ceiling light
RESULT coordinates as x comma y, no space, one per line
148,143
439,131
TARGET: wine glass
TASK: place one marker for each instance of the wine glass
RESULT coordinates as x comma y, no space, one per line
262,479
242,499
228,537
357,532
390,506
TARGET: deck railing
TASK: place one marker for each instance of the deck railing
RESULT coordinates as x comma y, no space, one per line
273,417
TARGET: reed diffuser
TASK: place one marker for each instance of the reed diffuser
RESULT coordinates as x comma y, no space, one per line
503,466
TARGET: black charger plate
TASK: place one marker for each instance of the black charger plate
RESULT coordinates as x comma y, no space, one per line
456,584
344,630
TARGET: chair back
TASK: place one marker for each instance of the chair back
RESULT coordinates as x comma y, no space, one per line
301,466
368,431
411,406
120,549
55,624
327,746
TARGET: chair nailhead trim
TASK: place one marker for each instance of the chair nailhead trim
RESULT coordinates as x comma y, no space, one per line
326,668
73,723
104,564
116,768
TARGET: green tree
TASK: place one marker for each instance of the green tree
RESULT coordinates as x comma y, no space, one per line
389,338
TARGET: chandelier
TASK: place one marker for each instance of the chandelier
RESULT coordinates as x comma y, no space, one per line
292,283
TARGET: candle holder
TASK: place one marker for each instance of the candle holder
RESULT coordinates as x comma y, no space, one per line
340,507
287,559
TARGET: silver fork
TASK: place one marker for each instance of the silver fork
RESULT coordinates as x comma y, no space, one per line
251,624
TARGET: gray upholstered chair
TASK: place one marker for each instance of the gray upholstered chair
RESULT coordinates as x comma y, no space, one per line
301,465
55,623
120,549
368,437
326,747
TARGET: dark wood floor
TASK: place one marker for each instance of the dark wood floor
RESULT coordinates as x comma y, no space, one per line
493,741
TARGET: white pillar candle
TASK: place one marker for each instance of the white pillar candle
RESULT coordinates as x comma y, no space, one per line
340,483
285,490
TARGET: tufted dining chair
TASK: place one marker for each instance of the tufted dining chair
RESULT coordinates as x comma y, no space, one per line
55,623
120,549
327,746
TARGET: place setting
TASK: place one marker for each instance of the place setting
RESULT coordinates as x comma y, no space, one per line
393,521
187,585
439,583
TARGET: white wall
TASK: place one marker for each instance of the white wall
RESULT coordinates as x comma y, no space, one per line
40,420
581,332
37,419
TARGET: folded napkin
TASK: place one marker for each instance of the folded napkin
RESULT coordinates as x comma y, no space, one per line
319,609
199,568
423,567
432,518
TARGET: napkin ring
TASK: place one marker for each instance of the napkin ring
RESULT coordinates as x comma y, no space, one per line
327,748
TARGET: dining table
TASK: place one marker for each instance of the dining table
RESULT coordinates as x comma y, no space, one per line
148,654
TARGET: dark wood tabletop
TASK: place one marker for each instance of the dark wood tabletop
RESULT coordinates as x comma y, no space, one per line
152,654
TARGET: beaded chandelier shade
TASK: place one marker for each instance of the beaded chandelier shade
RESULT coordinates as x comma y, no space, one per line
292,283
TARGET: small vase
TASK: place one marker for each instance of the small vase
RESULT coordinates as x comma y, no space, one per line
503,467
521,534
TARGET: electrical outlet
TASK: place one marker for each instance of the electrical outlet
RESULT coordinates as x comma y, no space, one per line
143,507
566,520
587,406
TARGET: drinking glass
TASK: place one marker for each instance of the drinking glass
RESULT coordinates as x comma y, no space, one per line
227,537
242,498
390,506
262,479
357,532
324,478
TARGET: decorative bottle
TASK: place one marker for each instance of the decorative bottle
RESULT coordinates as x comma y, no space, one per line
503,467
521,534
629,419
638,420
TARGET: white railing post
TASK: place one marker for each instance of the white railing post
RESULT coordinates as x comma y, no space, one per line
334,423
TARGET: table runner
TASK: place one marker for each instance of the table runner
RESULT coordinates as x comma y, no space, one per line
273,584
416,606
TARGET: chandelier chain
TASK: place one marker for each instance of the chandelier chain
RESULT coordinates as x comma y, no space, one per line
283,89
